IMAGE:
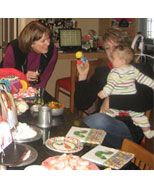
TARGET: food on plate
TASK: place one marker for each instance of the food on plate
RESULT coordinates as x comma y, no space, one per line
23,131
29,92
21,106
68,162
57,108
55,105
64,144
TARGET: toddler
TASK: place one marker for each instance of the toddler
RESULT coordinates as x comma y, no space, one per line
121,81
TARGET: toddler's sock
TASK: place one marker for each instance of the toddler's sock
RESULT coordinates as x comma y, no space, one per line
149,134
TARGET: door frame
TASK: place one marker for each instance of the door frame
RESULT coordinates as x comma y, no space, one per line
8,32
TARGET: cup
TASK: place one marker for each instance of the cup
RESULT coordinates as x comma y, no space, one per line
39,96
44,117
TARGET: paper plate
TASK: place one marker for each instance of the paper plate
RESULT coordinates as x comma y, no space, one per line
49,163
64,144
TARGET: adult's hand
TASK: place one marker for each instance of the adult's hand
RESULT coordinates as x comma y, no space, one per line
32,76
105,105
83,72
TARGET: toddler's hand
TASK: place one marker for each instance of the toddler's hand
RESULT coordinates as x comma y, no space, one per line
101,94
105,106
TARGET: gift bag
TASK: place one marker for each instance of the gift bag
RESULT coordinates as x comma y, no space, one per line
8,119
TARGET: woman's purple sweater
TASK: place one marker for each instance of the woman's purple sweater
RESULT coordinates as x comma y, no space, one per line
33,64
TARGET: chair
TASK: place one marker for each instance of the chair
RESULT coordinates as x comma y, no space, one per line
67,85
148,113
144,159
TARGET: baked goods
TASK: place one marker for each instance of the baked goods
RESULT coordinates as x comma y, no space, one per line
68,162
30,92
21,106
23,131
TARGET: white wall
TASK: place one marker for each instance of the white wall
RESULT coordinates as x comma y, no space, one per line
87,24
22,22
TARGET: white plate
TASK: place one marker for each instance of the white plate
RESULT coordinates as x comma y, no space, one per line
49,162
36,137
64,144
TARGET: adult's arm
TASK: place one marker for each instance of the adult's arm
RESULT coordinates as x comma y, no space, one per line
49,69
86,91
9,60
141,101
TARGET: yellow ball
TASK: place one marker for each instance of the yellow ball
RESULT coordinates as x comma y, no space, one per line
76,123
78,54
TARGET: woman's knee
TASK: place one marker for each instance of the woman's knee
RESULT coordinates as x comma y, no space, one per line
98,121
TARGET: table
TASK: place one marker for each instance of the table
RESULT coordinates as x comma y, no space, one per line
60,127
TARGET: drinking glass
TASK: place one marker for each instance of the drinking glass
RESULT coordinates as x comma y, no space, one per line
39,96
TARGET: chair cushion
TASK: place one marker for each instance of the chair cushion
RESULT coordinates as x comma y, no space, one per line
65,83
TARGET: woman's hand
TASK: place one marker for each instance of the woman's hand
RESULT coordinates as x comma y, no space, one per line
32,76
83,72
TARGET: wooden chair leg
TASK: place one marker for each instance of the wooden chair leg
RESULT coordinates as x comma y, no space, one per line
72,103
143,142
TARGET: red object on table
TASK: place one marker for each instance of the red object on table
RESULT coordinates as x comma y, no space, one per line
12,71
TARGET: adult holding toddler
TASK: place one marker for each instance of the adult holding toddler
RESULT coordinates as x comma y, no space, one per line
121,126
